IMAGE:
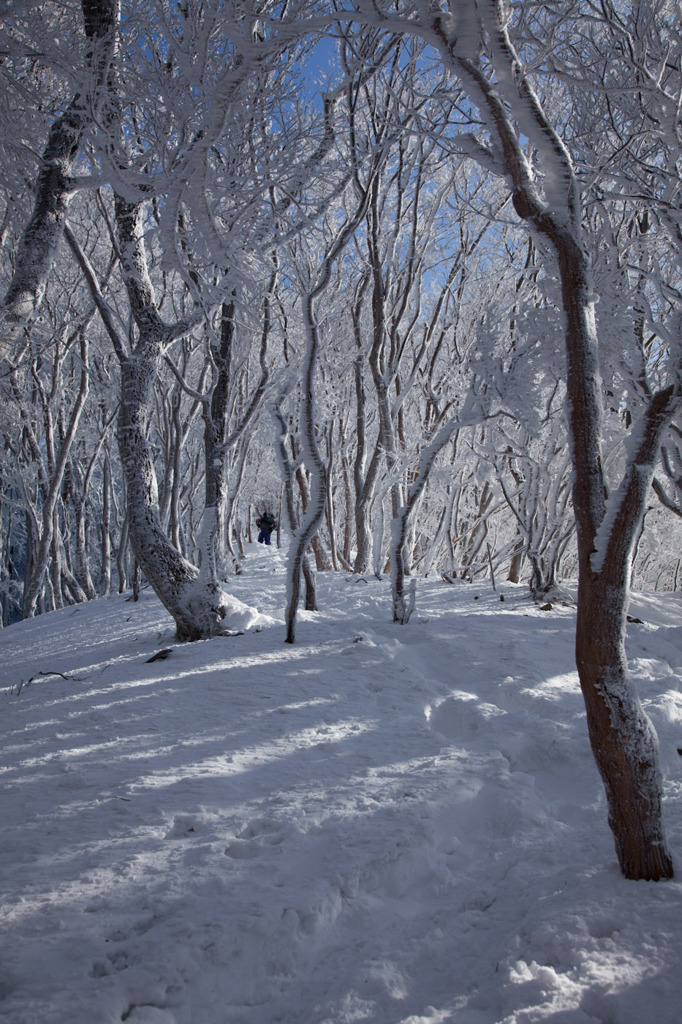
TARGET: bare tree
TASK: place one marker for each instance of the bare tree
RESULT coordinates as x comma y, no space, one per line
546,196
318,279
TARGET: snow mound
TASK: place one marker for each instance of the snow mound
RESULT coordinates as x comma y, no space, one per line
240,616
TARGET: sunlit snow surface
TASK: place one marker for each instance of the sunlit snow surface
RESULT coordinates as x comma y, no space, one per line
397,825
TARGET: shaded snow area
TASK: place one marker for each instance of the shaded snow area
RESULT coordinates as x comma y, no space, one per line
390,824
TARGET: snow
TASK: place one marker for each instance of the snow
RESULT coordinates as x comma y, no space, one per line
381,823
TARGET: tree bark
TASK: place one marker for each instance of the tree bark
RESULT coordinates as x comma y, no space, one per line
54,186
288,476
105,527
318,489
622,738
194,601
35,578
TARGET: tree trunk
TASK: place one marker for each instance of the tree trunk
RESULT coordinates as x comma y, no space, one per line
318,487
54,188
122,560
302,563
516,565
195,606
403,605
193,599
82,567
623,740
105,528
36,577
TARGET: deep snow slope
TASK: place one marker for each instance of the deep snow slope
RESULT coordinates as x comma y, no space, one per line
395,825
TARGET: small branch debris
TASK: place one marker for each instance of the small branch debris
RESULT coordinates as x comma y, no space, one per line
160,655
21,685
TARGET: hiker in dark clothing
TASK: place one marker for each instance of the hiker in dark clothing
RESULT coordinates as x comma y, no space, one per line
266,524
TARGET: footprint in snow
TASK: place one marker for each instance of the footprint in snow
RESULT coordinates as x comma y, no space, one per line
183,825
249,843
241,849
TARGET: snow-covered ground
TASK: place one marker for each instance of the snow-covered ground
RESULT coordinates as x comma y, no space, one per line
384,824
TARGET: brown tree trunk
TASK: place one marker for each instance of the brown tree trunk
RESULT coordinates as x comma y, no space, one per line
623,740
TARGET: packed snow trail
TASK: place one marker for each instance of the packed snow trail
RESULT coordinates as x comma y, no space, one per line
397,825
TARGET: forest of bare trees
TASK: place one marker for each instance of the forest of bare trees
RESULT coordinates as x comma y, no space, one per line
408,275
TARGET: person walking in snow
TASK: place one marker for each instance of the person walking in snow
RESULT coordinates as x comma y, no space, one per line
266,524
